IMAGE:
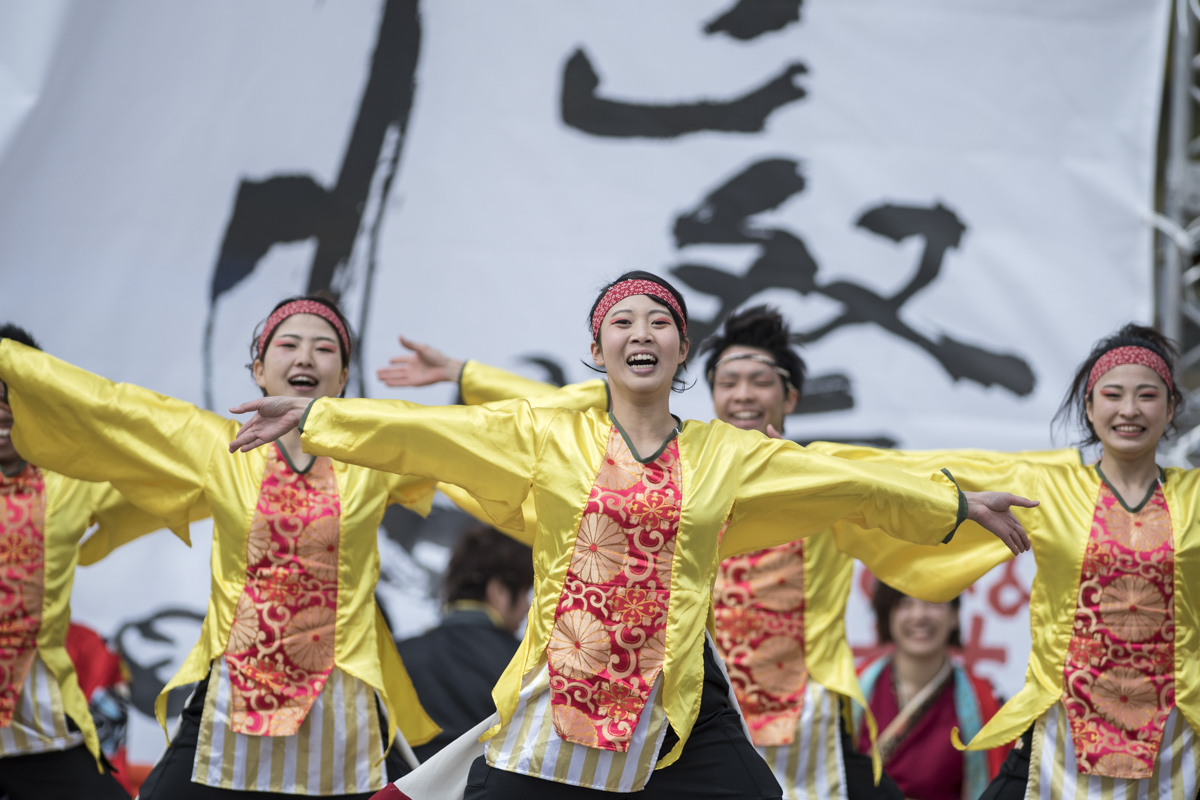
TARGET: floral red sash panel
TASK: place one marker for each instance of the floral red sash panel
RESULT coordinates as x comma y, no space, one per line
759,605
1119,679
280,649
609,638
22,573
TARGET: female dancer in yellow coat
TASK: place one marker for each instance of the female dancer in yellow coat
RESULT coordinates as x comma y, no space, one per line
293,651
49,748
1111,702
614,687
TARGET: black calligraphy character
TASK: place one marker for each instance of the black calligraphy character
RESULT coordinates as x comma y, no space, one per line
749,19
292,208
783,262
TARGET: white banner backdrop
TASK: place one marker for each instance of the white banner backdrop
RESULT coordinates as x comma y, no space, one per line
947,198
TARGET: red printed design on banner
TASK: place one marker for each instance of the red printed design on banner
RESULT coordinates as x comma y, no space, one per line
280,650
609,639
759,607
1120,670
22,575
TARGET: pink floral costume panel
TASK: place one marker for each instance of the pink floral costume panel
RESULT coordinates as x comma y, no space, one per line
22,573
759,607
280,650
1119,681
609,638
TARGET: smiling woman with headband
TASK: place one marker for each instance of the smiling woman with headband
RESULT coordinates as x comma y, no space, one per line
616,686
1110,704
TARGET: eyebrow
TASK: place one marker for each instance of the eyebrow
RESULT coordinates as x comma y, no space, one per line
321,337
1139,387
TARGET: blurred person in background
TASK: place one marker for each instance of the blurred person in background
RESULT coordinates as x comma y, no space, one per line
919,693
455,665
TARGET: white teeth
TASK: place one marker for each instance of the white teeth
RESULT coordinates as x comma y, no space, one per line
4,432
746,415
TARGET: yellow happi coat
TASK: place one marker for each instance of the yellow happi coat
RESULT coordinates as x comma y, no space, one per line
169,457
1059,530
828,571
71,508
770,492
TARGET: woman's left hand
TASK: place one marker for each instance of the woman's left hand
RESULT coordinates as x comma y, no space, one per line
275,416
992,510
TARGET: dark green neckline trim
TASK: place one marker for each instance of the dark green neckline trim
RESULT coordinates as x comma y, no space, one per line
21,465
1121,500
633,451
291,466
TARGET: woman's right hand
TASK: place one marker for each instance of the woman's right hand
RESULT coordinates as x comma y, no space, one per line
424,366
993,511
274,417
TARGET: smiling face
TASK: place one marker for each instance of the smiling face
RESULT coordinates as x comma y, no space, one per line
922,630
750,394
639,347
9,458
302,359
1130,409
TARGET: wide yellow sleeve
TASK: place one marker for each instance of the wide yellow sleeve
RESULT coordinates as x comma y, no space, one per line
941,574
120,522
480,383
153,449
788,492
490,452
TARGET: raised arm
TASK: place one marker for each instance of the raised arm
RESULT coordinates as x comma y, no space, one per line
787,492
154,449
490,452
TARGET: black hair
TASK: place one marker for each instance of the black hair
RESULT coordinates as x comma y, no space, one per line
1075,402
677,383
18,334
762,327
324,298
484,553
885,599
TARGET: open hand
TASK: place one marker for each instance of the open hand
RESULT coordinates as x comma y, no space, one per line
992,510
424,366
275,416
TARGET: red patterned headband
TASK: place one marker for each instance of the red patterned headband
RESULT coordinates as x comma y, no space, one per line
1130,355
620,291
302,307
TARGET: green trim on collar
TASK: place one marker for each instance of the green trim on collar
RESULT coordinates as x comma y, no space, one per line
292,466
633,451
20,468
1121,500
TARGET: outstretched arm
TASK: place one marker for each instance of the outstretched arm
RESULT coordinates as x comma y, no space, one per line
154,449
488,451
788,492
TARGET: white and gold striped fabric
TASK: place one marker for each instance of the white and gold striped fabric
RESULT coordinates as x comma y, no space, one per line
528,744
338,750
812,766
1053,774
39,722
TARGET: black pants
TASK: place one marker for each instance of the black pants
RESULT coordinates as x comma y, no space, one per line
171,778
59,775
860,776
718,761
1010,782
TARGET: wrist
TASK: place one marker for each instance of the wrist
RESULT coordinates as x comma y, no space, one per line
454,370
